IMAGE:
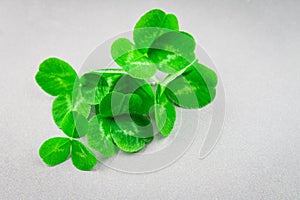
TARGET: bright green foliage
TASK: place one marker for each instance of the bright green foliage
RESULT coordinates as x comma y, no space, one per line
82,157
67,107
55,76
74,125
195,88
128,85
172,51
97,84
116,103
55,150
129,136
93,87
99,136
132,60
158,45
152,25
165,113
116,109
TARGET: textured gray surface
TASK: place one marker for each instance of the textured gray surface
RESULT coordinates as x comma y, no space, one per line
255,45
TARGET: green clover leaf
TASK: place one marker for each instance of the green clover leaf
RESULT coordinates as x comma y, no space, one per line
158,45
96,84
55,150
99,136
128,135
172,51
93,88
165,113
74,124
129,85
152,25
70,114
116,103
82,157
195,88
120,103
55,76
131,60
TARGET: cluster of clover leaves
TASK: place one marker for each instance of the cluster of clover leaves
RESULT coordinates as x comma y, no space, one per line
115,108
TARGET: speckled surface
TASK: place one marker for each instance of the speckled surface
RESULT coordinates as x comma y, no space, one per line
255,45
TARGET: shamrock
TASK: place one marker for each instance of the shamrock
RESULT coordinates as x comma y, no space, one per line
115,108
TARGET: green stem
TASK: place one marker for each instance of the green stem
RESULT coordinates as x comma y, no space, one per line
171,77
112,71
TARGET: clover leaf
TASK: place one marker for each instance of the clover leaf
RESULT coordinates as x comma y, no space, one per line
55,150
195,88
93,88
132,60
116,103
55,76
70,114
96,84
165,113
168,50
172,51
114,108
99,136
152,25
82,157
74,124
129,136
129,85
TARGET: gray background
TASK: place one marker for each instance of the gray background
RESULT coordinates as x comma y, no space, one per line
255,45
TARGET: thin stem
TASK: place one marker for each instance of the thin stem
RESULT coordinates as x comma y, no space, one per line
170,78
112,71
